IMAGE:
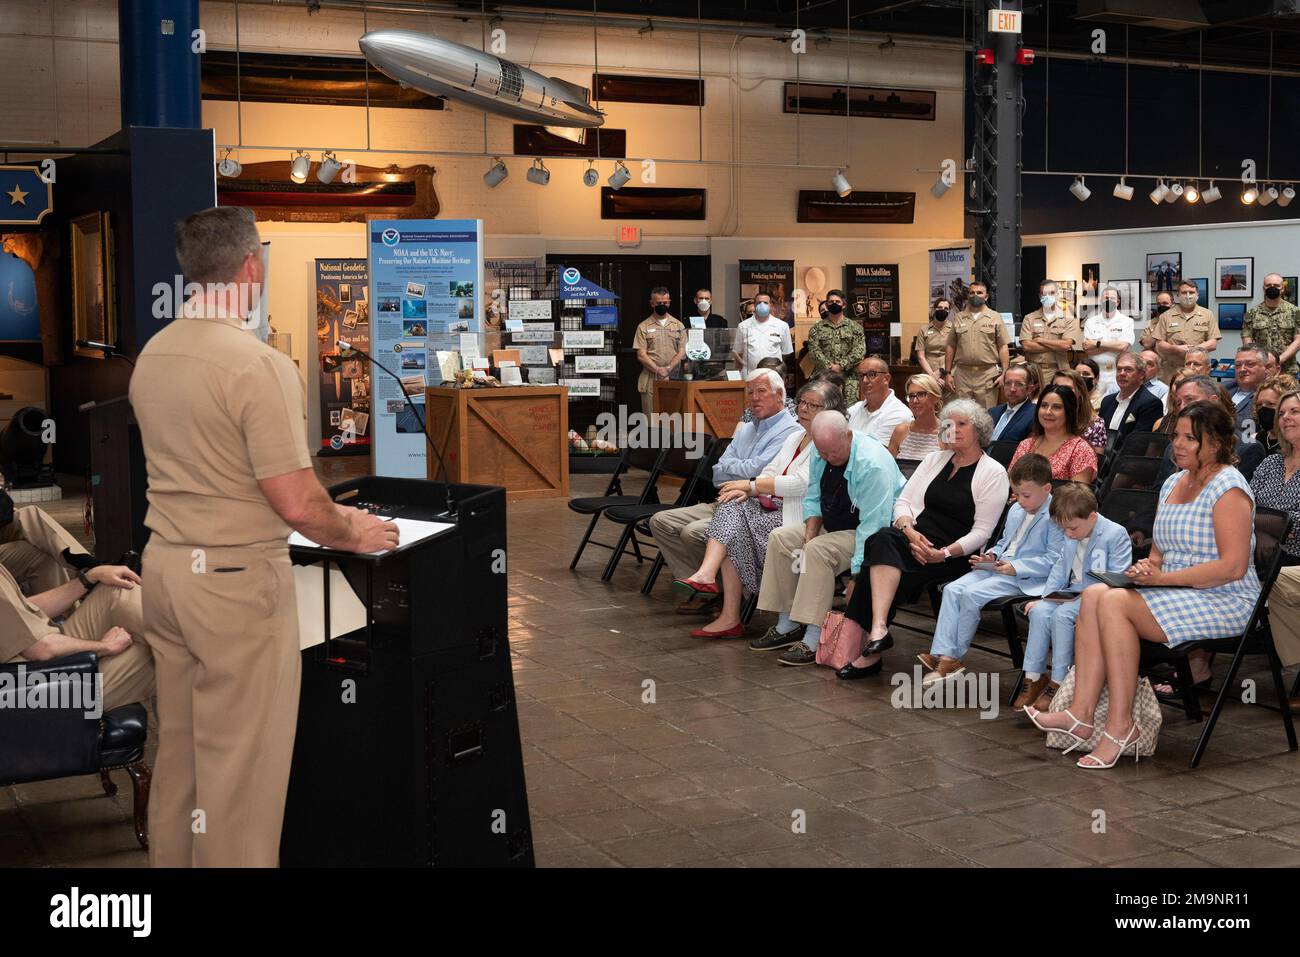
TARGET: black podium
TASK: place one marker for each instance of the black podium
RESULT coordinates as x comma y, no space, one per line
407,751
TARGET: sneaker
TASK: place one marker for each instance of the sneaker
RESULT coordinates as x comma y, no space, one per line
945,668
1044,702
773,640
800,654
1029,694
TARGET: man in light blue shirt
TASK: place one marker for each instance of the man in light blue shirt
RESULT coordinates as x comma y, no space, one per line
682,533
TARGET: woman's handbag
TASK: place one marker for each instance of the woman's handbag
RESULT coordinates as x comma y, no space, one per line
1146,711
841,641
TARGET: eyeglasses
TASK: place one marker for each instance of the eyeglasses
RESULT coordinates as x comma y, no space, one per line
917,396
871,375
805,404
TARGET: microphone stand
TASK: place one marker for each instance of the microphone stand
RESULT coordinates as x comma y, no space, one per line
446,478
110,352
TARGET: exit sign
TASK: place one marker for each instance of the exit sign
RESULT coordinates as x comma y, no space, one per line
1005,21
629,235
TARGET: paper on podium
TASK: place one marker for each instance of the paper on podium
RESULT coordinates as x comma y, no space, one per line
409,531
347,613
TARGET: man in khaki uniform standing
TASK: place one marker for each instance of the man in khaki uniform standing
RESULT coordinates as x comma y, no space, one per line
1048,334
1178,330
978,349
660,344
1274,324
221,419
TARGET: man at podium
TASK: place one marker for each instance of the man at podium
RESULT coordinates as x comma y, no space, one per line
221,418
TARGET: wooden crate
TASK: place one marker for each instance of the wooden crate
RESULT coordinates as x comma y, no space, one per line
513,437
721,403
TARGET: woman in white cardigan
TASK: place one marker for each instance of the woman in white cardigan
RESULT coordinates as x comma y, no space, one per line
946,512
749,511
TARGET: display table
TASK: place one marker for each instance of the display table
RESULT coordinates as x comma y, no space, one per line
721,403
516,437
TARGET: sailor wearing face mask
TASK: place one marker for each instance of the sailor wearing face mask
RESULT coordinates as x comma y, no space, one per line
660,344
704,310
978,350
1048,334
1106,335
931,346
1273,324
1181,329
838,344
763,336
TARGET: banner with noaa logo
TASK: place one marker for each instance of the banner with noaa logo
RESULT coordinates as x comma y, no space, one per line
574,286
426,284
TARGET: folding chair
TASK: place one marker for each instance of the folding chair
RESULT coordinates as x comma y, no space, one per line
645,460
1271,529
1150,445
1131,472
907,466
704,492
1002,451
675,462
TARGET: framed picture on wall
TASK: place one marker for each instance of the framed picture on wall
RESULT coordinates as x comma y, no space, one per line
1164,272
1231,315
1130,295
1068,290
1234,277
1202,291
1089,281
92,282
1289,290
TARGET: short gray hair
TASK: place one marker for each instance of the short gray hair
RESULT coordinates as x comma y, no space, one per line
774,380
831,395
1261,353
973,412
213,243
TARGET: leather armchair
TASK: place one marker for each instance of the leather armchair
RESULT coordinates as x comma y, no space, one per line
49,742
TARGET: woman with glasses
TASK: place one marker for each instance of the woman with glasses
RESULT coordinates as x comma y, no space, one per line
916,439
749,511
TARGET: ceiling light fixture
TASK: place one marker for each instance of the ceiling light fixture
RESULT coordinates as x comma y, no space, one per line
591,177
1249,194
496,173
1286,196
840,184
538,173
229,166
1159,193
618,179
1175,191
1268,195
1191,193
300,167
329,167
1080,191
1211,195
1123,190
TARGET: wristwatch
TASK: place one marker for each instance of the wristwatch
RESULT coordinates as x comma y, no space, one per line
946,553
753,489
86,583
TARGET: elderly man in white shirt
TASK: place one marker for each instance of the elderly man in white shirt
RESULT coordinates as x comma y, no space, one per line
880,410
1106,335
762,337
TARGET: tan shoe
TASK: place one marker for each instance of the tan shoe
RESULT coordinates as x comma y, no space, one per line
1029,694
931,662
944,668
1044,702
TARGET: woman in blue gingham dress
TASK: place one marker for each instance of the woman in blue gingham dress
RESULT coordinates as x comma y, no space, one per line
1185,536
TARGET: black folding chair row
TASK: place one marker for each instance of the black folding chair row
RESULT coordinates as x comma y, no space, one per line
1001,452
1146,445
704,492
649,461
1131,472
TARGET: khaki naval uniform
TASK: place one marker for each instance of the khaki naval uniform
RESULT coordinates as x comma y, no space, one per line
219,410
932,342
978,339
1182,329
31,549
661,342
1272,328
1038,325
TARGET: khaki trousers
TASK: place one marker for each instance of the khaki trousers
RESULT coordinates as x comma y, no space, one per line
31,547
1284,615
803,585
648,402
682,535
128,677
976,382
225,640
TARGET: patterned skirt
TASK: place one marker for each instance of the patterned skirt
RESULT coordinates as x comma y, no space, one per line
743,527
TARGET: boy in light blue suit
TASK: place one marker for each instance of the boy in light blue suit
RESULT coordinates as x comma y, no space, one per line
1020,562
1093,543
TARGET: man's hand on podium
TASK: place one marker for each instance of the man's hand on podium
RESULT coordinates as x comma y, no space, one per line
369,532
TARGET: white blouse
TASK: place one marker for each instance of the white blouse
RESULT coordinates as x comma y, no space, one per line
794,482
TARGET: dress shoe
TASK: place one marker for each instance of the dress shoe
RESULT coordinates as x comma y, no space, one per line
799,654
773,640
1030,693
948,667
1044,702
737,632
690,588
79,560
883,643
931,662
851,673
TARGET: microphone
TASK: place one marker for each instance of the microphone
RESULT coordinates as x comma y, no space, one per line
109,351
346,346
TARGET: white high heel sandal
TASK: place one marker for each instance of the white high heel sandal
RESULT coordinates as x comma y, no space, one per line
1033,714
1135,733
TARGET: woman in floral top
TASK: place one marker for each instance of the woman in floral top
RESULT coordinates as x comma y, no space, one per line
1095,433
1056,436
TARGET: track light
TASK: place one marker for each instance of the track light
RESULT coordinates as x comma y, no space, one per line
329,167
1080,191
1175,190
1159,193
497,172
1249,194
840,184
618,179
1211,195
1123,190
300,167
538,173
1286,196
229,167
939,188
1267,196
1191,193
591,177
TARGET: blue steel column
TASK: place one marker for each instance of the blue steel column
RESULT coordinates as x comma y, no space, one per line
160,70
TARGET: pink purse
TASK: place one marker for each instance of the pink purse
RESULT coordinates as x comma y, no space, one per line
841,641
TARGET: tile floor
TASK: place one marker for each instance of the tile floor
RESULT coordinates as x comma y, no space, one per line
740,762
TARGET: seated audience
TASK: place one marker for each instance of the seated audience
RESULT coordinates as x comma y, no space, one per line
749,511
1093,543
1151,376
1204,541
879,411
945,514
1251,368
1198,360
852,485
777,366
1013,419
1022,558
1166,422
1261,428
39,552
918,438
1203,388
1090,372
1056,437
1095,432
682,533
1275,483
1131,408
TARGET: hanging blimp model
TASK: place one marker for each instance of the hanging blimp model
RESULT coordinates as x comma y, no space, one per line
443,68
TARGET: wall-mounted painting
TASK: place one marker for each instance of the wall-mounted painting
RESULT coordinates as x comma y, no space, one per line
1234,277
1164,272
1202,291
1289,290
93,316
1231,315
1130,295
1089,281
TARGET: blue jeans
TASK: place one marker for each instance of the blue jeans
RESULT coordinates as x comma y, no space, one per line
1051,624
959,614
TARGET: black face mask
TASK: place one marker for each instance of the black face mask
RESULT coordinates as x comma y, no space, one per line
1272,292
1110,305
1088,382
941,314
1266,418
834,308
661,309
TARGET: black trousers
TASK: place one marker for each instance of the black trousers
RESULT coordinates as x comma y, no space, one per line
889,546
